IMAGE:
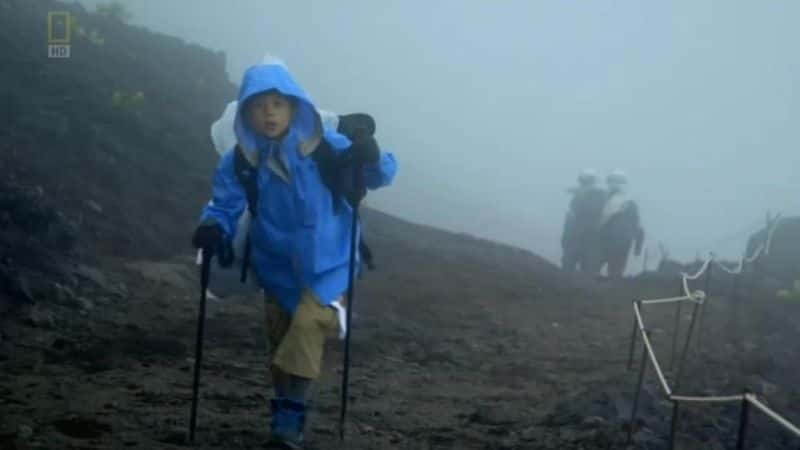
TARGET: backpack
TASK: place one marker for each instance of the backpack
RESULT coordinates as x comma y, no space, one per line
336,171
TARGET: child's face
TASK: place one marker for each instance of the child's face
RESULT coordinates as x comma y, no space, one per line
270,114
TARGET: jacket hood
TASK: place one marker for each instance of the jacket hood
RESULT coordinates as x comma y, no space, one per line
306,124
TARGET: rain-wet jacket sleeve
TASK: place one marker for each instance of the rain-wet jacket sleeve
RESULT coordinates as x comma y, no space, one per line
382,173
228,199
378,175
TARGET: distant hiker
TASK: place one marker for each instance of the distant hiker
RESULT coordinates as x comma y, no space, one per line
300,234
581,223
620,227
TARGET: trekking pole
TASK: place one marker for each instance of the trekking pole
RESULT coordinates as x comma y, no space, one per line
702,320
205,270
676,332
744,421
682,363
639,385
357,185
633,340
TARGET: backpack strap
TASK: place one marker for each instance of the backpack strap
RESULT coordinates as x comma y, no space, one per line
247,175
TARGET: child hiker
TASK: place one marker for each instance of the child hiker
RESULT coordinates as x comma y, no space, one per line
300,232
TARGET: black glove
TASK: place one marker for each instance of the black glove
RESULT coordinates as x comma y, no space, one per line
207,237
351,125
365,150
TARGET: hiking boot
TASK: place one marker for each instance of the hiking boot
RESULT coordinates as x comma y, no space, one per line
288,422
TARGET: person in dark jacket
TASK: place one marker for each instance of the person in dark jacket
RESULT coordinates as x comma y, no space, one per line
581,224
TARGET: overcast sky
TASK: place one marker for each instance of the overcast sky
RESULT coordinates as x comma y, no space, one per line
494,106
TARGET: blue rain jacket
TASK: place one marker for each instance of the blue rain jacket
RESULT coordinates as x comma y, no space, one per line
299,240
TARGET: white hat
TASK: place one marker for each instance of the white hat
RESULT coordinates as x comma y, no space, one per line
617,178
587,176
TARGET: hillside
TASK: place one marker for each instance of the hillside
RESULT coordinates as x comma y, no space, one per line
131,175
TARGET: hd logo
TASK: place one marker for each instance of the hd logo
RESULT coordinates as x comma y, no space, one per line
58,34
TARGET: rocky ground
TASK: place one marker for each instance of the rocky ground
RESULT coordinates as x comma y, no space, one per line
482,348
459,343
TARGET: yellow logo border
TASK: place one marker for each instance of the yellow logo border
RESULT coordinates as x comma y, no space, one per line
51,16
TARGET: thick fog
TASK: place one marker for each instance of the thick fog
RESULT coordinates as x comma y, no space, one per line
494,106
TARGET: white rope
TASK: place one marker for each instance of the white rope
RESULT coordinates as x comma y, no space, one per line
710,399
772,414
713,399
650,351
744,260
762,249
756,254
667,300
735,271
697,296
686,287
754,227
701,271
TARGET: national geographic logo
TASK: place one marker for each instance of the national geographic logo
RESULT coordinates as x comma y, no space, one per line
58,34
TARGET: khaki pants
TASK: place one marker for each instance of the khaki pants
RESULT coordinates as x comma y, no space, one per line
297,343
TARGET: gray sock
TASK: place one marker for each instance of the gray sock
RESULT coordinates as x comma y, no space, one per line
296,388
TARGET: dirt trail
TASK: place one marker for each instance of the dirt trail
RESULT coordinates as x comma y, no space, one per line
445,356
